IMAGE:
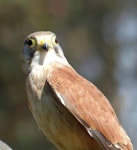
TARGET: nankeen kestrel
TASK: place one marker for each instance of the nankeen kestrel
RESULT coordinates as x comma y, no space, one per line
71,111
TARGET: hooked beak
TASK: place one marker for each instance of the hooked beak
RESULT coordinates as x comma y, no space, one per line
45,46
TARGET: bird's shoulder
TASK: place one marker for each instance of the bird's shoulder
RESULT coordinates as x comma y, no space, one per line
88,104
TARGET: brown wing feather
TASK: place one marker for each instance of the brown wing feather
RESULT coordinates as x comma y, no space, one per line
88,103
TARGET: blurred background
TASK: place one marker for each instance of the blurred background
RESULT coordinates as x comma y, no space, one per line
99,38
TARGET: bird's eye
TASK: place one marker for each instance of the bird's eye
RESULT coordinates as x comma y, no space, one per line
56,40
29,42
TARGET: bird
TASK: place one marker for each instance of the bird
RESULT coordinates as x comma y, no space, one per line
70,110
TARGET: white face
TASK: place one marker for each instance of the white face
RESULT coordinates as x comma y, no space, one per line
41,48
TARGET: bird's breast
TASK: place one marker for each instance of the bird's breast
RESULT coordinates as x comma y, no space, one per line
55,121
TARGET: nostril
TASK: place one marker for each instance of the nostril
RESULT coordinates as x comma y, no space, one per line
45,46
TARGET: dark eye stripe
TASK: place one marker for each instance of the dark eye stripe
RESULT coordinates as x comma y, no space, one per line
56,40
32,54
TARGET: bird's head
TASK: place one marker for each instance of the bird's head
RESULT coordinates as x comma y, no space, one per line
41,49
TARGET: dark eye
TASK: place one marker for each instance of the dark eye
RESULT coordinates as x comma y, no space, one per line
29,42
56,40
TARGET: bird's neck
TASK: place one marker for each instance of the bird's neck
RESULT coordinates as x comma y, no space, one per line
43,65
53,57
45,62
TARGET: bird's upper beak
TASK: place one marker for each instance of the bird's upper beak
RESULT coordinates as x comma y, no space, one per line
44,43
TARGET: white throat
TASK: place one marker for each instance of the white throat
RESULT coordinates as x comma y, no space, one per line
43,59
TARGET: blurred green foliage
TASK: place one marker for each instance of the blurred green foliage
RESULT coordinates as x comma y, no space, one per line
80,27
